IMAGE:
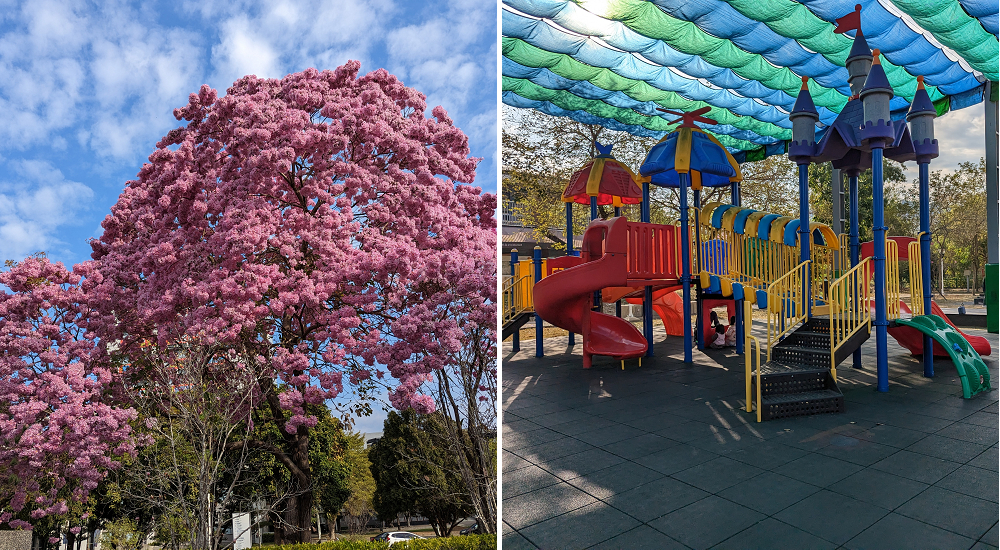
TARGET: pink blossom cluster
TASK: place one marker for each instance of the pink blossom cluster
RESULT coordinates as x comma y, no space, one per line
58,433
319,220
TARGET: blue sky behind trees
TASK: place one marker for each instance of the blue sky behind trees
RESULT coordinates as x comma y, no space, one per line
88,88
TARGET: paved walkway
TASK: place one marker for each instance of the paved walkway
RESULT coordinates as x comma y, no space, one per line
664,456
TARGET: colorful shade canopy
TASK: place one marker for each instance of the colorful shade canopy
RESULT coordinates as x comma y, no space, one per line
605,178
613,62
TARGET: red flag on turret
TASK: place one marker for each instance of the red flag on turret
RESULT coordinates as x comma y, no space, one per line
849,22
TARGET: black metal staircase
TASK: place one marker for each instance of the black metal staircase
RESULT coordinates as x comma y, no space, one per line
797,380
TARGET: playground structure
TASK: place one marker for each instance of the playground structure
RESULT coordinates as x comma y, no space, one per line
824,293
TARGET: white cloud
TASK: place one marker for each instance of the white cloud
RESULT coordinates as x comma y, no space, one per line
34,204
243,50
961,138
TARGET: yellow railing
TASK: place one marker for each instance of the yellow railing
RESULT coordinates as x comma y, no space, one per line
517,290
749,341
786,304
517,296
916,278
850,309
891,279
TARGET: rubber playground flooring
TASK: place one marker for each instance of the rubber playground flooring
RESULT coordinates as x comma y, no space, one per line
664,456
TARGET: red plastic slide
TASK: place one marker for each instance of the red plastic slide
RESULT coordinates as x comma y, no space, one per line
913,339
565,297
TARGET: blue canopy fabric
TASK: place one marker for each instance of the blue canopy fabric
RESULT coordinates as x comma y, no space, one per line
615,62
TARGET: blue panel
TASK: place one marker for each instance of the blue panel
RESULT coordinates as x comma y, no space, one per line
714,287
789,237
762,299
738,291
764,226
717,215
739,224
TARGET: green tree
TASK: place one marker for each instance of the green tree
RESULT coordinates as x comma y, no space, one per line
900,204
415,471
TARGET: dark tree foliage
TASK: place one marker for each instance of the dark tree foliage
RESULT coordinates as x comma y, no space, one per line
415,472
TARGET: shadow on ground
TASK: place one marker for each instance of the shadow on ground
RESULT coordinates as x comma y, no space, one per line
665,456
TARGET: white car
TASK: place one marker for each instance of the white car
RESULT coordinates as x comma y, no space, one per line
396,536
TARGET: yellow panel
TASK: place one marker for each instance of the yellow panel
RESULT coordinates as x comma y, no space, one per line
705,279
752,222
706,212
682,162
828,235
729,217
727,286
696,180
778,229
594,179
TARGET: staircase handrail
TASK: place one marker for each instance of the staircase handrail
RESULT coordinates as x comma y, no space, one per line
516,296
916,277
786,293
850,309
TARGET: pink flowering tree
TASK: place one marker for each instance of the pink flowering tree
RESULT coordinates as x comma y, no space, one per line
319,226
58,433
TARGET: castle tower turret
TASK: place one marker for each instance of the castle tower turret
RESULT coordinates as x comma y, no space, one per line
804,118
859,60
875,97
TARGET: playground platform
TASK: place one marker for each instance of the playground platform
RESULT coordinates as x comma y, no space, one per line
665,456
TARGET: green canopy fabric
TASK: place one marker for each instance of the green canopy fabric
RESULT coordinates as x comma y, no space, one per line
613,62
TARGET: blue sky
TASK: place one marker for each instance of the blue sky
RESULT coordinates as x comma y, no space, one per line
88,88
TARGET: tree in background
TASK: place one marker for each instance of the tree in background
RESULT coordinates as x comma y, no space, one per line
414,470
359,505
313,226
771,185
59,432
467,394
901,209
958,222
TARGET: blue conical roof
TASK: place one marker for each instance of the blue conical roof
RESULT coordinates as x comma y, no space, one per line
860,48
804,103
921,101
876,81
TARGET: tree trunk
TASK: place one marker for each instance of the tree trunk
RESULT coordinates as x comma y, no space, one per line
299,512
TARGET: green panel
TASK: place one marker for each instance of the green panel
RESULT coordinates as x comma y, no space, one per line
971,369
942,106
683,36
793,20
954,28
566,100
565,66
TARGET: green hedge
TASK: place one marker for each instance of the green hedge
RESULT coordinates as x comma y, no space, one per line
459,542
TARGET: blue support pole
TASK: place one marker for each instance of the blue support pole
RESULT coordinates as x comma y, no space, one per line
569,249
618,304
593,216
539,344
855,243
699,315
647,297
925,262
881,322
516,337
569,228
737,201
804,234
686,267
